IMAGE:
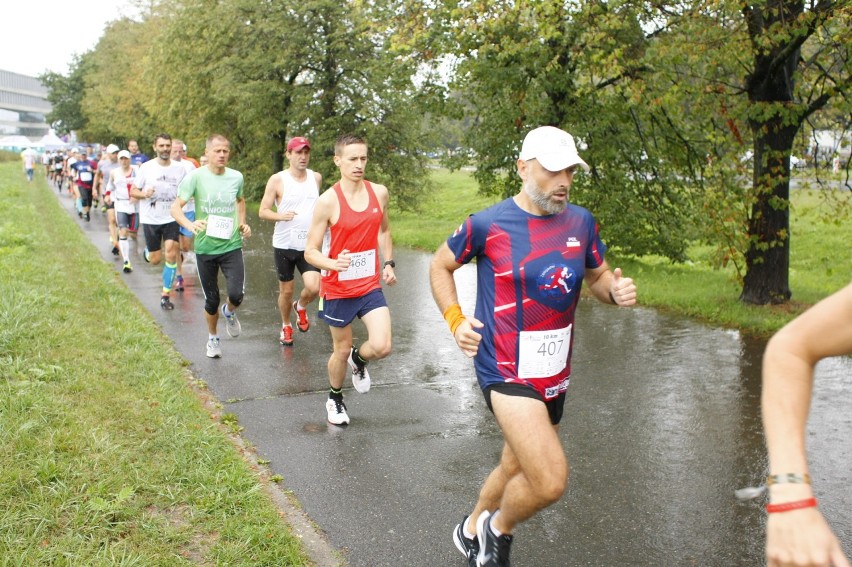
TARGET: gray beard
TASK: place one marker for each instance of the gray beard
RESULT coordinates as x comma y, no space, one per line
541,200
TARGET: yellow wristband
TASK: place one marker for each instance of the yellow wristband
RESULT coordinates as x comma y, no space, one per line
454,317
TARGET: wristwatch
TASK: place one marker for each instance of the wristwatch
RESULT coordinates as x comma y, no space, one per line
390,263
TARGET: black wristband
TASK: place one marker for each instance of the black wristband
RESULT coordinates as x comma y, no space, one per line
390,263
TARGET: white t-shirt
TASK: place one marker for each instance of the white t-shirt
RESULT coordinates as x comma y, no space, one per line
189,166
164,180
299,196
119,187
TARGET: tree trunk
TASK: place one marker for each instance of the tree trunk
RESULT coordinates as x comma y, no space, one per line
281,147
774,120
768,256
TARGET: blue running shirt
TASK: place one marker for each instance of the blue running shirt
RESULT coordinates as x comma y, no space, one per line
530,271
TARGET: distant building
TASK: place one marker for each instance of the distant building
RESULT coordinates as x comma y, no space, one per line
23,106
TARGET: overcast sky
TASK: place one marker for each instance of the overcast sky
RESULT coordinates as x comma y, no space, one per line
44,35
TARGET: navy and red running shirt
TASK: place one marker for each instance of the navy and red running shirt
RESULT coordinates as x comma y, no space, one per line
85,173
529,273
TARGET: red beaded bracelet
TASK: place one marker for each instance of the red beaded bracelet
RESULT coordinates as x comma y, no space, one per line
788,506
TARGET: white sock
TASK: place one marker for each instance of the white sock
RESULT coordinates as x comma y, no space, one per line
491,524
124,248
466,533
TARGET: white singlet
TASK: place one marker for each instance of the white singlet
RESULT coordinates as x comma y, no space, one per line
299,196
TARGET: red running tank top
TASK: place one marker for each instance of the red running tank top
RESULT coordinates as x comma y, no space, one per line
358,232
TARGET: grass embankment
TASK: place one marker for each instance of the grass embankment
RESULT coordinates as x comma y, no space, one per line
820,262
107,457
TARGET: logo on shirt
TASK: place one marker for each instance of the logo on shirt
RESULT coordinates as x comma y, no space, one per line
556,281
572,242
219,203
551,281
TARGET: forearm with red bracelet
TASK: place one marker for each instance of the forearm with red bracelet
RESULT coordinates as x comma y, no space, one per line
790,506
791,478
454,317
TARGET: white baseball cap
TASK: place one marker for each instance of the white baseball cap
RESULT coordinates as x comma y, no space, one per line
554,149
111,149
124,153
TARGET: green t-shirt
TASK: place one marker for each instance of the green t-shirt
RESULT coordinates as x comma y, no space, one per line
216,202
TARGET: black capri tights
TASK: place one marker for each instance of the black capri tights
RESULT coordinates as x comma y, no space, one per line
233,268
85,195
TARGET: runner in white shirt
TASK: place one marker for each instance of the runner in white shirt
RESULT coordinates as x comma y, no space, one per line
294,193
105,167
156,187
118,187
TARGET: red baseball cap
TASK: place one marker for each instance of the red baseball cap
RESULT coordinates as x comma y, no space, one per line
297,144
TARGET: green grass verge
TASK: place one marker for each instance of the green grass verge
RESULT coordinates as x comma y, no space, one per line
454,198
107,457
820,263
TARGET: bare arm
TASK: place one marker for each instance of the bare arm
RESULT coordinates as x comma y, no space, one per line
444,292
137,193
98,184
109,187
245,229
611,287
788,368
385,240
325,208
178,214
272,193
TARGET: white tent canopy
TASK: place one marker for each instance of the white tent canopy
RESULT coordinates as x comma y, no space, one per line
15,143
52,142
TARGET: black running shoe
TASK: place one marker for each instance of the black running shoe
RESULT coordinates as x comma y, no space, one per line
87,217
493,550
115,250
165,303
468,547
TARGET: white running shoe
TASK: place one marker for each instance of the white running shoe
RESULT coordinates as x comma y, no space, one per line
336,412
213,348
233,324
360,374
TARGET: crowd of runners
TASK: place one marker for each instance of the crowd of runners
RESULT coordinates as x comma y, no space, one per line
533,252
194,211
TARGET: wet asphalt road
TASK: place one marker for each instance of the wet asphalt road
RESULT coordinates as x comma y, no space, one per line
661,425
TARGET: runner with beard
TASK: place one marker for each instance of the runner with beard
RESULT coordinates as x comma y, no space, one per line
156,187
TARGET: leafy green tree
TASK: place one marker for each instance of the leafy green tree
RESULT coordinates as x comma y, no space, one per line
752,76
666,98
65,94
267,71
784,88
116,102
520,65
